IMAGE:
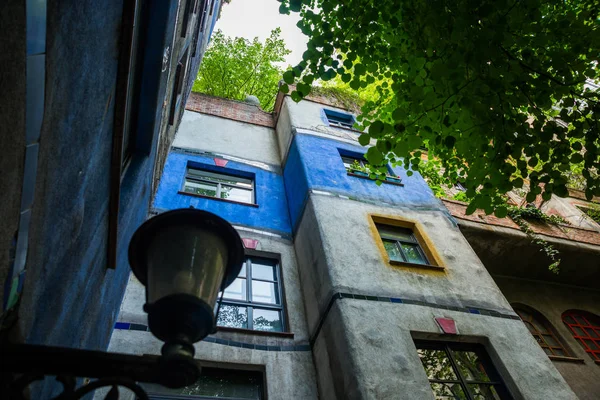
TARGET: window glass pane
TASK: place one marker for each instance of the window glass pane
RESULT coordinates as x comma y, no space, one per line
204,189
392,250
233,316
470,366
412,253
264,292
568,319
559,352
549,339
437,364
267,320
578,331
484,392
236,194
215,177
591,344
580,320
243,271
447,391
592,333
262,270
219,383
348,161
397,233
530,327
237,290
538,325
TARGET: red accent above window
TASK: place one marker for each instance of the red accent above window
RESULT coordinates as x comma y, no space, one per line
448,325
586,329
219,162
250,243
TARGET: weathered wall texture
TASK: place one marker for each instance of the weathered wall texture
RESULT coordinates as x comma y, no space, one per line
552,300
224,136
271,213
286,358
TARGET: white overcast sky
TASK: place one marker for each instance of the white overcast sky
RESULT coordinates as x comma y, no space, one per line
257,18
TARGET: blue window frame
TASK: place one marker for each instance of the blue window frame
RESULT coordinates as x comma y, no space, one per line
339,119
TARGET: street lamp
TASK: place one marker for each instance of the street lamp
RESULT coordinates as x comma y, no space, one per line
184,258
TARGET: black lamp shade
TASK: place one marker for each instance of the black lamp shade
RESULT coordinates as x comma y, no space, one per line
184,258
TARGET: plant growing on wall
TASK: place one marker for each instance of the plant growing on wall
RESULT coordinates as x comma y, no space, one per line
236,67
476,83
521,214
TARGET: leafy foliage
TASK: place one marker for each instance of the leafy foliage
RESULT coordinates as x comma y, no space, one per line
236,67
593,212
495,90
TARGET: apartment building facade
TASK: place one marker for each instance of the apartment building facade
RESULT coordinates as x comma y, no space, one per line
353,290
93,93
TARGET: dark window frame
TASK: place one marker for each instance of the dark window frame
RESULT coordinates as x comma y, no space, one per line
250,304
592,323
397,242
227,175
533,318
495,381
348,157
339,119
155,392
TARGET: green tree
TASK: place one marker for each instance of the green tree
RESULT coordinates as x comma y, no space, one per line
236,67
494,89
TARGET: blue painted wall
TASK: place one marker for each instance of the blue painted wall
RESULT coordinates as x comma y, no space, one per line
271,213
314,163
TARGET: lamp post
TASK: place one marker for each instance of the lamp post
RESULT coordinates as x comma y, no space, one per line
184,258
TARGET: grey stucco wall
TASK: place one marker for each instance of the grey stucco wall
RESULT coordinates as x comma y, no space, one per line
289,374
365,349
376,357
353,261
552,300
224,136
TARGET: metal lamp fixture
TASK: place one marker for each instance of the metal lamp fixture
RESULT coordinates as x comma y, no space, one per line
184,258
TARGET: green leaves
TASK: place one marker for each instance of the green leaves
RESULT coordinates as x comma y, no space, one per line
236,67
494,91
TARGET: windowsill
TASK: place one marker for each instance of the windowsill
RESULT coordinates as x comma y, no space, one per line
366,177
286,335
413,265
568,359
345,128
218,199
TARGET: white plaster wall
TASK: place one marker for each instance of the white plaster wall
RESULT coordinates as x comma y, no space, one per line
225,136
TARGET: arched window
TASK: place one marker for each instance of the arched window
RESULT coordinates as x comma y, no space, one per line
542,331
585,327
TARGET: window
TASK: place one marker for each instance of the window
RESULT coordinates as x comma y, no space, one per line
401,245
542,331
177,95
254,300
221,186
214,383
585,328
460,371
340,119
358,166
